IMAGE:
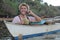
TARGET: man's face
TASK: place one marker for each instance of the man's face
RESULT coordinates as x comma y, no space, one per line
23,10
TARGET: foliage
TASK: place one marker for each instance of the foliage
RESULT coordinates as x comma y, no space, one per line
10,7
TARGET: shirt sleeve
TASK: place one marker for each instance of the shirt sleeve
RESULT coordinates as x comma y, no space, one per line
32,19
16,20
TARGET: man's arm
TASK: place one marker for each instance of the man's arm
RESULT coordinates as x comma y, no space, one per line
36,17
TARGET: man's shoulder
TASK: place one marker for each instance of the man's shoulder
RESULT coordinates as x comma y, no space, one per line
16,17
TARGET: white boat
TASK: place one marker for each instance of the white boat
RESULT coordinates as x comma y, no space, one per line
29,31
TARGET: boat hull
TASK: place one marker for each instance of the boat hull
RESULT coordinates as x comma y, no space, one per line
29,31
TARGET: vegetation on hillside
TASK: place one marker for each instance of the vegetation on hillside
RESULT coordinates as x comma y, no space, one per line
10,8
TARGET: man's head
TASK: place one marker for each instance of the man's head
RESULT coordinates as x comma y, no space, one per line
23,8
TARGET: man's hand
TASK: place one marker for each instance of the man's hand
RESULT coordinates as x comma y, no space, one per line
31,13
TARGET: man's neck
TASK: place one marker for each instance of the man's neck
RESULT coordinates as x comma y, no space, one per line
23,15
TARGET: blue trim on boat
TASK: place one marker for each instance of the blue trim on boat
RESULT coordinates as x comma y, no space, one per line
38,34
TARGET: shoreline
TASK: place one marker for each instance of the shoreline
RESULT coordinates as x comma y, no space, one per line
8,19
